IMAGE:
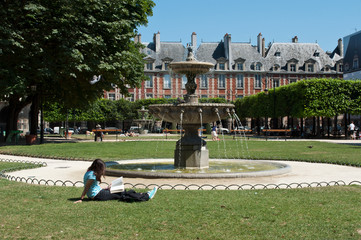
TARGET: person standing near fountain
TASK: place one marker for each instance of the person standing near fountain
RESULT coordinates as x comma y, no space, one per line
214,133
92,189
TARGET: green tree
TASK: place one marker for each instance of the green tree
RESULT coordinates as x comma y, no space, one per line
59,45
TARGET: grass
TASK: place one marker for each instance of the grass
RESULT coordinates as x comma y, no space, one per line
43,212
254,149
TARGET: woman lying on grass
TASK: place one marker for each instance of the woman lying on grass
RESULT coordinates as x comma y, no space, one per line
92,189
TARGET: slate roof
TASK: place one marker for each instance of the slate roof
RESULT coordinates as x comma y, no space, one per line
299,51
173,50
247,52
212,51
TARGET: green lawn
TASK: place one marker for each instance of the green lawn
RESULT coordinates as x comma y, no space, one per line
253,149
43,212
48,212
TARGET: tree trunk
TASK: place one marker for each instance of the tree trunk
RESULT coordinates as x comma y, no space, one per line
34,115
11,114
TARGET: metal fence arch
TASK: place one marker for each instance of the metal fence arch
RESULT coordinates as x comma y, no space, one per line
5,174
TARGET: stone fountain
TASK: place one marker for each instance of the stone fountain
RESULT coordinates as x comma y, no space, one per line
191,150
141,123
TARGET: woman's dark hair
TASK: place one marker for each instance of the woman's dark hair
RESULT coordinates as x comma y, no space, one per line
98,167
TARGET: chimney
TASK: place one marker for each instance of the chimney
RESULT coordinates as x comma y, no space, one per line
295,39
194,40
259,43
138,38
228,49
263,48
340,46
156,41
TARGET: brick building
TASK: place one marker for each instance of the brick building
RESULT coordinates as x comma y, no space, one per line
240,69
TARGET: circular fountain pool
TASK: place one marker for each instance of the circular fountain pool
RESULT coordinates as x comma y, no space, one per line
218,168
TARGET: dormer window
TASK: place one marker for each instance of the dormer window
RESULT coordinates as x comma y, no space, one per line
221,63
258,66
222,66
310,65
239,64
355,62
327,68
292,65
277,54
316,54
339,67
149,63
149,66
276,67
166,62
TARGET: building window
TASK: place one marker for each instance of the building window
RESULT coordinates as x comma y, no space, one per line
131,98
293,80
292,67
239,96
240,66
222,66
204,81
276,82
355,63
310,67
149,83
166,66
278,54
167,96
239,81
257,81
167,81
184,81
222,81
340,68
111,96
222,96
204,96
149,66
148,95
258,66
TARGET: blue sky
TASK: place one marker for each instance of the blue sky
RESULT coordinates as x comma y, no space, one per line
321,21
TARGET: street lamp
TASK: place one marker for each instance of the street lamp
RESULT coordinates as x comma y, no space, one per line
274,105
266,117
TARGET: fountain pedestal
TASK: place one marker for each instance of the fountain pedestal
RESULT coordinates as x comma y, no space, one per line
191,150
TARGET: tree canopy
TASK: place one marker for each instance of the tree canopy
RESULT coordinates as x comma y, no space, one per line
307,98
59,45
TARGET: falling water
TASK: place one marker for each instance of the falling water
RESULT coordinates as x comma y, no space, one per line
224,142
239,124
235,136
180,141
201,129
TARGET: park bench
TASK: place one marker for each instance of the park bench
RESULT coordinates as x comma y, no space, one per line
276,132
116,131
14,135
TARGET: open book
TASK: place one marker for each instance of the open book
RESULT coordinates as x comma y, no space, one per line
117,185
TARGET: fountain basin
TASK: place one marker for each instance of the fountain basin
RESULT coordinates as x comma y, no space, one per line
219,168
191,112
